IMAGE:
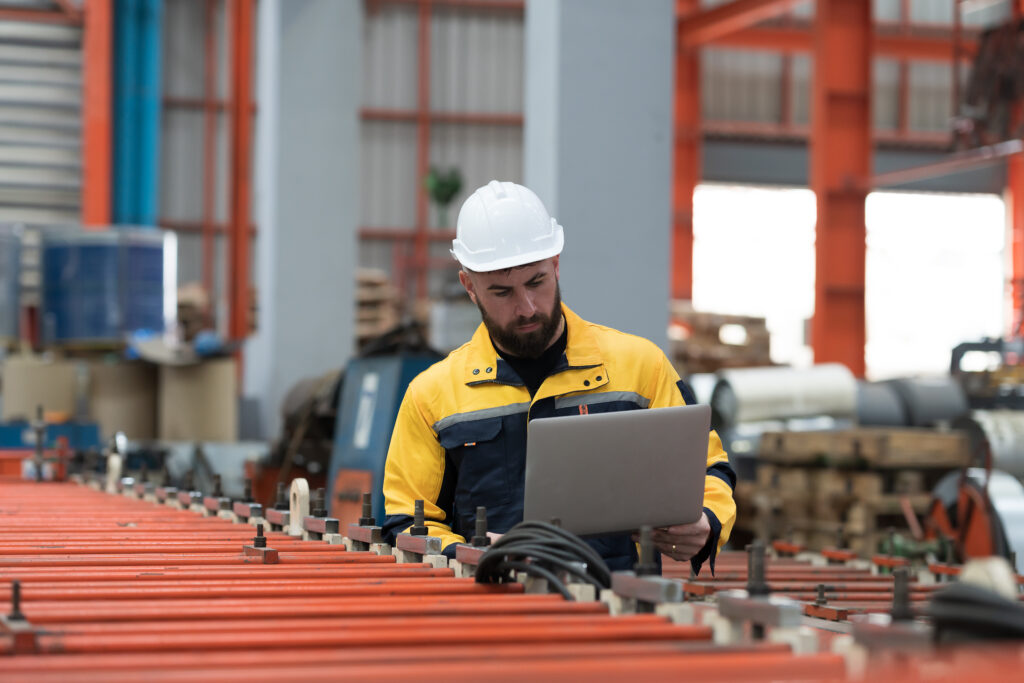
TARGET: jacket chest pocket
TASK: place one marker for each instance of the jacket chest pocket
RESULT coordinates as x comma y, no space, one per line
479,450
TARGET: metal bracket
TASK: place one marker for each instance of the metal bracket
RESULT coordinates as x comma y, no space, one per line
880,632
247,513
186,499
278,519
362,537
315,528
409,548
298,506
214,504
22,635
260,555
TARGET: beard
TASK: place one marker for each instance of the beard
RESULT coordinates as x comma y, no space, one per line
526,344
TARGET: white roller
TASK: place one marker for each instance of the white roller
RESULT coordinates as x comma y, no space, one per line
1006,494
757,394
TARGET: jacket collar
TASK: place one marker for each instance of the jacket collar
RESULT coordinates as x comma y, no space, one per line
483,364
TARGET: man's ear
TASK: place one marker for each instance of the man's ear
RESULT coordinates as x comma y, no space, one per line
467,282
556,265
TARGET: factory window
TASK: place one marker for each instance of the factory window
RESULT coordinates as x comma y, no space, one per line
935,271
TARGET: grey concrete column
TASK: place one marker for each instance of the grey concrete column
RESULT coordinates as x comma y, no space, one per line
307,194
598,151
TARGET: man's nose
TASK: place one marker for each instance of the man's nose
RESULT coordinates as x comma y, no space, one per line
525,306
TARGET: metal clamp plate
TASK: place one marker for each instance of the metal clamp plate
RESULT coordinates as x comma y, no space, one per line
278,517
652,589
773,610
247,510
216,503
423,545
365,534
320,525
470,554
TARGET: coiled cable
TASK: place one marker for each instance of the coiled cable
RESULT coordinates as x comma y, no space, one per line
546,551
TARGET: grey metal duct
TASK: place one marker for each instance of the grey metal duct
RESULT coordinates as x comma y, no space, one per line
929,400
778,393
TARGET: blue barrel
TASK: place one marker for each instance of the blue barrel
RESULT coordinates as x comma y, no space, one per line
99,287
10,283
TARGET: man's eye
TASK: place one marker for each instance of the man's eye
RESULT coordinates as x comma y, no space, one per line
502,294
535,284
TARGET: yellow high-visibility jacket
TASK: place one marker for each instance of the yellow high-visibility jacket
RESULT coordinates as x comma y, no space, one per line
460,436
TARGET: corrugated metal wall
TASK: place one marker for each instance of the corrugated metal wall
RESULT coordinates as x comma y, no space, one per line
181,152
745,85
40,121
476,67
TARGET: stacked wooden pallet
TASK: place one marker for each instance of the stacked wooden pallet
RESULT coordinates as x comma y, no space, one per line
377,305
706,342
852,486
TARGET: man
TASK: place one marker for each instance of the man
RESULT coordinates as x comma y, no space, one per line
460,436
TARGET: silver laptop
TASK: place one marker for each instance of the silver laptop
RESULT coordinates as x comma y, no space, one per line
610,472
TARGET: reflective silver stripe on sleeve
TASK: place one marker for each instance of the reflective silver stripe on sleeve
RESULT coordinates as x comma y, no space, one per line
500,411
602,397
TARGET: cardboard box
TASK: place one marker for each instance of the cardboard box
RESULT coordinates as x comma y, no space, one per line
30,381
199,402
120,396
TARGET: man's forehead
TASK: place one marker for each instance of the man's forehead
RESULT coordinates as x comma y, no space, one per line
510,276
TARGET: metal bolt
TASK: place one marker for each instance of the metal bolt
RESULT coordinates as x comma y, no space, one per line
367,518
318,503
839,538
282,498
901,610
247,494
480,538
260,541
646,566
756,585
891,534
16,614
821,600
217,491
419,528
189,480
1013,561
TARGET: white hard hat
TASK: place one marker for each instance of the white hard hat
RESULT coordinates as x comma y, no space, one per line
503,225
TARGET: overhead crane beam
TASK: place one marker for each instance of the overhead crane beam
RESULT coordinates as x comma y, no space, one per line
709,25
885,43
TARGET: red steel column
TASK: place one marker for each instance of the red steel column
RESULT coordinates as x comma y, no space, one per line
840,164
209,143
686,157
97,112
241,167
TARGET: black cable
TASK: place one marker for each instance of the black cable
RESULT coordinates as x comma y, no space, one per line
967,613
546,551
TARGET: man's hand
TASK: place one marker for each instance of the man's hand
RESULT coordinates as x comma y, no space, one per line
682,541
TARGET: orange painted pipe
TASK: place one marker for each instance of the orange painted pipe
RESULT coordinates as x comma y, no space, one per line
431,654
511,632
230,608
694,666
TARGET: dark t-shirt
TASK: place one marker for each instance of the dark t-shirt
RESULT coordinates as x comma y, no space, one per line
533,371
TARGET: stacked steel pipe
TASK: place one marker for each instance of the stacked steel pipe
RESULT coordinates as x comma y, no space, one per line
116,588
107,587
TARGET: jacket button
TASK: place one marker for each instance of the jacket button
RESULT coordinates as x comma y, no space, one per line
476,371
599,378
586,382
489,369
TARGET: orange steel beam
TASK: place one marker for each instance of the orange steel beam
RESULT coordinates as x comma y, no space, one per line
886,42
1015,211
97,49
241,168
840,161
686,159
711,24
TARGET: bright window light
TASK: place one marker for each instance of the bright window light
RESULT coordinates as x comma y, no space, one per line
935,271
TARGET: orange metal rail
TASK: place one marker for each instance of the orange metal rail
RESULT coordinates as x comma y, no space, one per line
119,589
